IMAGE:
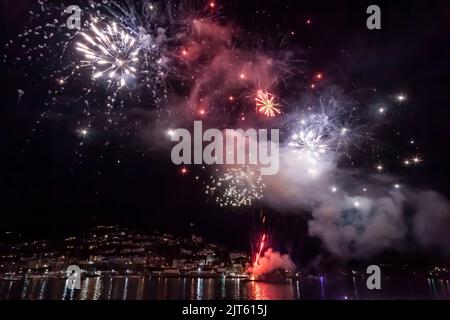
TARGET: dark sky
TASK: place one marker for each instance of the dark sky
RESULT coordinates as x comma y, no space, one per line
39,192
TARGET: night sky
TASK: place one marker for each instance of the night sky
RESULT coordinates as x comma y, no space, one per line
50,184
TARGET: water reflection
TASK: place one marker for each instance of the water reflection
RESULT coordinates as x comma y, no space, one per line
151,288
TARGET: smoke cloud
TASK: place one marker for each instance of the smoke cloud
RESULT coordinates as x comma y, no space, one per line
271,261
360,215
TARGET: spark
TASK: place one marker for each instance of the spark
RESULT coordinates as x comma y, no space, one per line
265,104
413,160
83,132
401,97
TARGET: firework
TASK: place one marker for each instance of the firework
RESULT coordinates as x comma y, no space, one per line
237,187
310,141
83,132
111,52
401,97
416,160
261,247
316,137
266,105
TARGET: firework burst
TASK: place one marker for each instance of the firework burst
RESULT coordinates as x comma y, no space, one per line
111,52
310,141
266,105
237,187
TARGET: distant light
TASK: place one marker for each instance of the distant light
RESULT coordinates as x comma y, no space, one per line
381,110
344,131
84,132
183,170
333,189
380,167
401,97
396,186
356,204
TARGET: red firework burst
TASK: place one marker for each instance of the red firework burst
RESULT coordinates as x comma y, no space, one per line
265,104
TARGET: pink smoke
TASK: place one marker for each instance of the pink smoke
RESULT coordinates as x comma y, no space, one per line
271,261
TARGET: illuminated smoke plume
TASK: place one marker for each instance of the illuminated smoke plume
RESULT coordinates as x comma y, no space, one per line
271,261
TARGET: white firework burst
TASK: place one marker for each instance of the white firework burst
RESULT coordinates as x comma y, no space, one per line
314,138
310,141
111,53
237,187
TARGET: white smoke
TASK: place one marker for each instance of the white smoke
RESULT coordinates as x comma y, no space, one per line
357,215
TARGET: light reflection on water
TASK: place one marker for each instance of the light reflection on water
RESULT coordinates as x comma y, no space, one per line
158,288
